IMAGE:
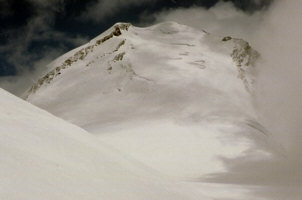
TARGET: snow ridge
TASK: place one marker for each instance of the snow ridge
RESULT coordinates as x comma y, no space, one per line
79,55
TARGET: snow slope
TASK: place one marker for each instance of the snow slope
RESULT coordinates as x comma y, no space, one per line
44,157
175,98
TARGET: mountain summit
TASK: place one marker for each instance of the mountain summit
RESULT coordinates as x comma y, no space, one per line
175,98
115,38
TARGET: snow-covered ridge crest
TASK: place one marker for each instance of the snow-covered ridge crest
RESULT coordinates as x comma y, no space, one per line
242,54
79,55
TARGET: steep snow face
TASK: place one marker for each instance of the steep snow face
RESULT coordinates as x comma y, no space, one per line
43,157
175,98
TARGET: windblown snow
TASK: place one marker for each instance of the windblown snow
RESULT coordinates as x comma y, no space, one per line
164,94
141,106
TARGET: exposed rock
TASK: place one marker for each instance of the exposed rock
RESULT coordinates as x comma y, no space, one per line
119,57
227,38
80,55
245,57
120,45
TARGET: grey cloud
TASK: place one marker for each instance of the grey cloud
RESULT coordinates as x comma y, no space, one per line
280,72
106,8
52,5
276,34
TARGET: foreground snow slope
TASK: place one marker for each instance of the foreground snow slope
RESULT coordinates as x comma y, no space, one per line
44,157
175,98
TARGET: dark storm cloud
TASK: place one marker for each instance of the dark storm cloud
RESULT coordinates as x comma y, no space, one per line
34,32
36,26
103,9
28,44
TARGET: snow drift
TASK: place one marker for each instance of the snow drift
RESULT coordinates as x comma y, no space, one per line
44,157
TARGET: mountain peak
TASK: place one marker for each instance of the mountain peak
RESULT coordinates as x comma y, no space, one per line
242,52
166,75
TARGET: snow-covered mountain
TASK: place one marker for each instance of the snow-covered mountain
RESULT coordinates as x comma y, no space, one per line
175,98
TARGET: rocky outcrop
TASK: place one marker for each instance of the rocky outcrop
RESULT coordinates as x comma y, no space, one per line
79,55
245,57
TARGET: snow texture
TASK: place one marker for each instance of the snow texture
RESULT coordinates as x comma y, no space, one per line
163,94
44,157
156,113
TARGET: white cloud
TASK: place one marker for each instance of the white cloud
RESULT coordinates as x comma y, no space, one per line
222,19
